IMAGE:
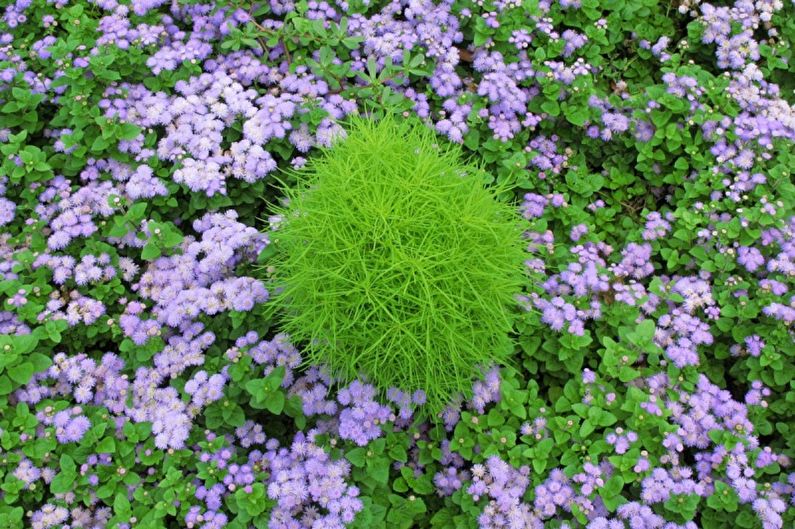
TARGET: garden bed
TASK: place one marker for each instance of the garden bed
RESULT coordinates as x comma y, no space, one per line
408,264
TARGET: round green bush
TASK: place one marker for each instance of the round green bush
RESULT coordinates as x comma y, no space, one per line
394,261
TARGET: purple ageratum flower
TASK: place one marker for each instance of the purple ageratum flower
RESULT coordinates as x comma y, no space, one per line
453,124
452,413
769,512
580,278
75,213
361,415
250,434
750,258
205,519
313,390
554,493
143,400
183,350
781,312
276,352
201,279
644,131
137,329
656,226
696,291
48,516
615,122
573,40
504,487
162,407
405,402
754,345
72,429
486,391
590,479
10,324
205,389
308,487
449,480
27,472
557,312
636,514
547,158
756,396
7,209
213,496
635,262
621,441
80,309
143,184
533,205
642,465
520,38
578,231
537,429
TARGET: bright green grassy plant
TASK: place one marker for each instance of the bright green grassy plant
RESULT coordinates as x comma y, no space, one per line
396,262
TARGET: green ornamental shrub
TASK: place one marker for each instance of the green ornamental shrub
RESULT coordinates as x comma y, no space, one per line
396,262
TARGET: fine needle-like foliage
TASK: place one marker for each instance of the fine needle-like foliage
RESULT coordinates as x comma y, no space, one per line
396,262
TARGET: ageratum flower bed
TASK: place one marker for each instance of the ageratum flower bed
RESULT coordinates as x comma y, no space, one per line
440,265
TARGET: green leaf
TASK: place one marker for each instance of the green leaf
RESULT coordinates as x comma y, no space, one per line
645,330
400,485
171,237
398,453
67,464
575,115
378,469
106,446
404,511
586,429
233,414
539,464
274,379
275,402
268,252
21,373
584,184
100,144
128,131
627,374
40,362
356,457
136,212
472,140
62,483
551,107
5,385
257,390
121,506
150,251
19,344
264,391
724,498
684,504
495,418
614,485
613,502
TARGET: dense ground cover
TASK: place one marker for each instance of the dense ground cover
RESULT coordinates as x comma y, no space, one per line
145,380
